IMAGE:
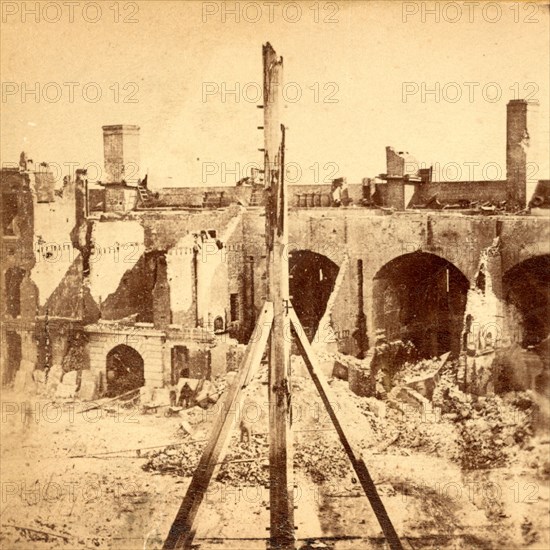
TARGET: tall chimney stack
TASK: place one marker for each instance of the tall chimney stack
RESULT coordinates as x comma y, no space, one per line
121,153
520,155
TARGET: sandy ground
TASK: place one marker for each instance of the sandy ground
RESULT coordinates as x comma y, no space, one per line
55,495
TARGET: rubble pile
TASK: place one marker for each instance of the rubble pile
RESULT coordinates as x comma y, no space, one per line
488,426
391,356
213,391
374,410
246,463
322,461
411,370
487,435
476,432
176,460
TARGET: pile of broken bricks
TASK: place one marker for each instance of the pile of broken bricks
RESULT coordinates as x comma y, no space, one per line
323,461
490,427
246,462
177,460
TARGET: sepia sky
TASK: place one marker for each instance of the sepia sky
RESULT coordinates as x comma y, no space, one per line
349,61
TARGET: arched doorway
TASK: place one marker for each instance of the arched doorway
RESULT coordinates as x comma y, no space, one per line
312,278
125,370
421,297
527,292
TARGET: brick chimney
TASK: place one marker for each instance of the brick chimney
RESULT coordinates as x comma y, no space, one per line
121,153
520,158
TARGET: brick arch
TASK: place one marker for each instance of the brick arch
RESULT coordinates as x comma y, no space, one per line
465,265
150,346
536,262
421,297
522,252
334,252
134,343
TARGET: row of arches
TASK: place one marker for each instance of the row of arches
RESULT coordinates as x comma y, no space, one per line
421,297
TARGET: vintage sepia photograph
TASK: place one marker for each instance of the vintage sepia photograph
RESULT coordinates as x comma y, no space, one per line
275,275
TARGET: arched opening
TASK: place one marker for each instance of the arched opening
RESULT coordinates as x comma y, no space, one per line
125,370
527,290
14,276
312,278
420,297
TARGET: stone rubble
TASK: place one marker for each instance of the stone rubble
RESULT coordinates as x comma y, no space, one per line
475,432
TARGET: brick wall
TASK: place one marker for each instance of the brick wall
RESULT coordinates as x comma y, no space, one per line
453,192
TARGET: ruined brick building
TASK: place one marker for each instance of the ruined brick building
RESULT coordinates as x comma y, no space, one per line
132,286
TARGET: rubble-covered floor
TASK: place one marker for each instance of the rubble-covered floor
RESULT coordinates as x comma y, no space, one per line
78,480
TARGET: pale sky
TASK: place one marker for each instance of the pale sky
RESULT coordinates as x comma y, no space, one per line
361,58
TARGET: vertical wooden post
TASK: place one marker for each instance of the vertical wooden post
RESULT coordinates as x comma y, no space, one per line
280,468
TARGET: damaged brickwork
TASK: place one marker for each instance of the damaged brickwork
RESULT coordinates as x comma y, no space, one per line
177,276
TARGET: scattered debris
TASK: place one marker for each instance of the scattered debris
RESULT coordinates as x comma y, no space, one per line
38,534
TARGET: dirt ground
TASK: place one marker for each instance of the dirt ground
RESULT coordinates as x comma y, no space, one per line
74,479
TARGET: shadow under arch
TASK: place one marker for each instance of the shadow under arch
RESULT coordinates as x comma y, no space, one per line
125,370
526,287
312,278
421,297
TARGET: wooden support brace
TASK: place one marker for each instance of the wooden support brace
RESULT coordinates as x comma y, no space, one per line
182,533
357,462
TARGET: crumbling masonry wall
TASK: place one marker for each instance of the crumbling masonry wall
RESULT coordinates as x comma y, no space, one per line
179,271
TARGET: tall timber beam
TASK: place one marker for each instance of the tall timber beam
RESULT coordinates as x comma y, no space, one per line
281,486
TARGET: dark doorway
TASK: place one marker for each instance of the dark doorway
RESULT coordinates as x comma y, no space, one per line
9,212
219,325
234,307
312,278
420,298
180,363
125,370
527,288
13,359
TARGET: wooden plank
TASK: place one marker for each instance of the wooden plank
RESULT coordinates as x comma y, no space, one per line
108,401
357,462
181,533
